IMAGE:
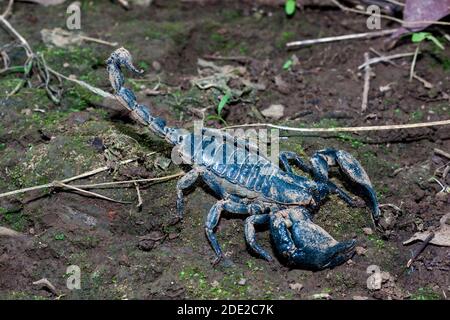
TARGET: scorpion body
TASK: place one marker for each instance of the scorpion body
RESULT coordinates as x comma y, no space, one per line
248,183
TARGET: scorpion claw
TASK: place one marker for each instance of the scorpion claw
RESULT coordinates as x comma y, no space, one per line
308,245
352,170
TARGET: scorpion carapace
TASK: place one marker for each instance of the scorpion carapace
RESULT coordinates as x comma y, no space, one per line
248,183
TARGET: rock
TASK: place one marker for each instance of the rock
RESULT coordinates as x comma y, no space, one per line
368,231
360,251
388,220
242,282
282,86
360,298
296,286
162,163
156,66
215,284
275,111
146,244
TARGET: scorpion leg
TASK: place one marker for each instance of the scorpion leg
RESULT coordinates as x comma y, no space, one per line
212,221
185,182
351,169
306,244
285,156
250,223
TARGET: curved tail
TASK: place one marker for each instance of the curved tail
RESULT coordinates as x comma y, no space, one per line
121,57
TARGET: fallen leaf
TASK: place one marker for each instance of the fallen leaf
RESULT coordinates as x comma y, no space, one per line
441,235
422,10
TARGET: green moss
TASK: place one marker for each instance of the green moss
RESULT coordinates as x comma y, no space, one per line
417,115
379,243
426,293
15,220
21,295
354,142
199,287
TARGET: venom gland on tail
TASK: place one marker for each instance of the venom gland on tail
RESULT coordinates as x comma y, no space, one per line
248,183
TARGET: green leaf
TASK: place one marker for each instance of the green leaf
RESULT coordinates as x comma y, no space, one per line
217,118
223,102
435,41
289,7
419,36
288,64
60,236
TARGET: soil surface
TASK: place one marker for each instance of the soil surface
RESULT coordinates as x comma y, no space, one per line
129,252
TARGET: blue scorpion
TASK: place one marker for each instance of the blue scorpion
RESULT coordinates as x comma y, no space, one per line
248,183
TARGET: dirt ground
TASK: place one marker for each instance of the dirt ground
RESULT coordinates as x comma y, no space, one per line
126,252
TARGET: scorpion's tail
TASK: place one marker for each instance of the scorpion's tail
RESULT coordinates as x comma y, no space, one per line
121,57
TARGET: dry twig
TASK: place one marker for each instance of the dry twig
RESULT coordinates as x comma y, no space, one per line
420,249
441,153
367,74
345,129
52,184
413,64
365,35
383,58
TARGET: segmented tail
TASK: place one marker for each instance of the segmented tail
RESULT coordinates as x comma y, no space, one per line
121,57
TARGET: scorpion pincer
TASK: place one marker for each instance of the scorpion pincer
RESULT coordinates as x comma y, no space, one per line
248,183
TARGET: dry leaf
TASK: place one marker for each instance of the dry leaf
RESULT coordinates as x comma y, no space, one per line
441,235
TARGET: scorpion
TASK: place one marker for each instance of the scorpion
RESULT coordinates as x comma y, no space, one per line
249,183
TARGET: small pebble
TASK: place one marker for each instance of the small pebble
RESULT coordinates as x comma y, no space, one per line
296,286
360,251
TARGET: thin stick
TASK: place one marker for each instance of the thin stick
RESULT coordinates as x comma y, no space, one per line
60,184
52,184
365,35
346,129
406,24
111,44
17,35
139,195
396,2
425,83
87,86
413,64
420,249
113,183
381,55
368,71
441,153
382,58
8,9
